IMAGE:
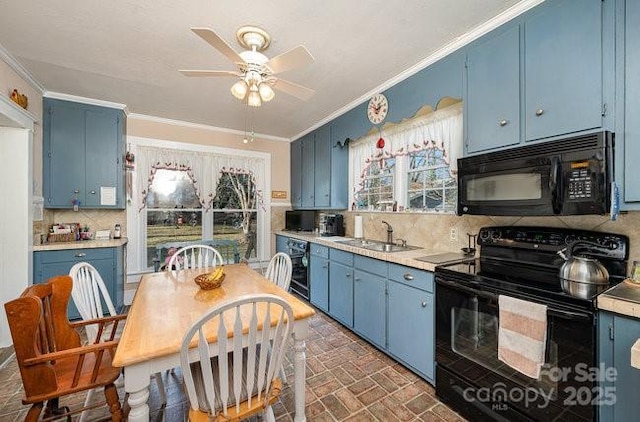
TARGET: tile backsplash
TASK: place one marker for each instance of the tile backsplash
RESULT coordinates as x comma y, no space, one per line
94,219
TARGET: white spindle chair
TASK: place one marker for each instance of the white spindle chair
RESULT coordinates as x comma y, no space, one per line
279,270
90,295
195,256
243,381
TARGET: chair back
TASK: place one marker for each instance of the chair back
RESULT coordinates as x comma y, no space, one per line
195,256
245,377
279,270
90,295
39,325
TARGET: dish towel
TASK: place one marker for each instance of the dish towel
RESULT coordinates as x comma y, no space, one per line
522,336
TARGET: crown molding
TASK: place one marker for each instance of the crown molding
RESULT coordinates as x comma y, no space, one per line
210,128
22,71
84,100
16,113
475,33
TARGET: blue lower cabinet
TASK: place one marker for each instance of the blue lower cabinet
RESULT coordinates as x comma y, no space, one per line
369,307
619,388
319,282
411,327
341,292
108,262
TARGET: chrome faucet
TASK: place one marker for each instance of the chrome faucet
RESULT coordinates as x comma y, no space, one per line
389,233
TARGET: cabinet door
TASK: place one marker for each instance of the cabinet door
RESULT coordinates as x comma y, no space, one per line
369,307
281,244
308,171
103,156
411,327
296,174
626,384
319,282
322,166
632,102
64,152
341,293
563,69
493,92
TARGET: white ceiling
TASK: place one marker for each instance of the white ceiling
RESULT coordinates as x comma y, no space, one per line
130,51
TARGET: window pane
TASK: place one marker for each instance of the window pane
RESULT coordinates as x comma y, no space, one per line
377,189
429,184
228,225
172,189
171,225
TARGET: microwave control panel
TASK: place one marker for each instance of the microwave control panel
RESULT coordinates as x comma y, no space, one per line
579,181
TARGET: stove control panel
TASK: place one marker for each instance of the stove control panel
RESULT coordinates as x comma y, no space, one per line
610,245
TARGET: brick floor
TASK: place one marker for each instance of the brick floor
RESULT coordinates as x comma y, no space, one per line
347,380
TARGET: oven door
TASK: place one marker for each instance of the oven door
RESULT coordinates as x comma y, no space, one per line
472,379
299,269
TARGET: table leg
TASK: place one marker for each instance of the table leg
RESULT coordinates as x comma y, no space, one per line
136,383
300,334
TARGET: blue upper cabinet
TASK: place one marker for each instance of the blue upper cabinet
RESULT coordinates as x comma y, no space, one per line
296,174
563,69
538,77
322,163
628,82
493,98
319,170
83,148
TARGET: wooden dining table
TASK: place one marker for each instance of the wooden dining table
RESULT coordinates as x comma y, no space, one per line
165,306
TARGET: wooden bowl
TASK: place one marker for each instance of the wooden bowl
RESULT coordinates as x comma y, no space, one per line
206,284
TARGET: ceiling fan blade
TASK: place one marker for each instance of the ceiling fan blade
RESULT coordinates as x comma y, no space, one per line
293,89
218,43
296,57
209,72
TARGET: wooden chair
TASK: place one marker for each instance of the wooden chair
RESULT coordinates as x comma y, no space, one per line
52,361
91,297
195,256
279,270
242,382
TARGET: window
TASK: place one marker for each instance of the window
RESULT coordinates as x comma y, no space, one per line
377,189
430,186
414,168
178,192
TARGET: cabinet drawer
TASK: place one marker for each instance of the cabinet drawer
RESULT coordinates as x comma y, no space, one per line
411,276
370,265
320,251
343,257
79,255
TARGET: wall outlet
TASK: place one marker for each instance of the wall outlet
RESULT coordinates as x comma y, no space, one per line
453,234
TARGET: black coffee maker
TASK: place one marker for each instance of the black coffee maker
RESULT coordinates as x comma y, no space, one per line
331,225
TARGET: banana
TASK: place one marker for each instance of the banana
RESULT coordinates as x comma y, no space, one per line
216,274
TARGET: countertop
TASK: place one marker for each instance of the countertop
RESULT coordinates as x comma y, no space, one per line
81,244
623,299
407,258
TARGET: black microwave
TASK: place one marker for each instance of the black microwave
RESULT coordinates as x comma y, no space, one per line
299,220
571,176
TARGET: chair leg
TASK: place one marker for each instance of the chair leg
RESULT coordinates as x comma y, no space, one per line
34,412
113,402
161,390
87,401
269,414
283,376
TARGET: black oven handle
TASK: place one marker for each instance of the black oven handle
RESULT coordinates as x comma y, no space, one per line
555,183
457,286
560,313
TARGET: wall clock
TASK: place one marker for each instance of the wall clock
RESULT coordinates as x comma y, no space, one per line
377,108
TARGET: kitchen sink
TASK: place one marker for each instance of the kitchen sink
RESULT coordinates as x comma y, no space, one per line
373,245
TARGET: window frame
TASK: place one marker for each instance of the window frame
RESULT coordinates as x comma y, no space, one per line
137,220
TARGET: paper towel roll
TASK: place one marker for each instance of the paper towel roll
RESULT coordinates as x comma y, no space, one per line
357,227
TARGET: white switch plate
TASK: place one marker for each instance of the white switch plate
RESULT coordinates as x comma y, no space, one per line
453,234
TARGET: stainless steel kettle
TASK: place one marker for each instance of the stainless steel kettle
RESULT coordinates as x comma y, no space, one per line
581,269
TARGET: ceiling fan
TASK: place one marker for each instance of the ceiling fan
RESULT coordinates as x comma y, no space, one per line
255,70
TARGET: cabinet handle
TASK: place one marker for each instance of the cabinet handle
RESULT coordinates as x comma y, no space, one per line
325,266
503,122
424,304
357,279
408,277
80,255
93,192
76,191
348,275
539,112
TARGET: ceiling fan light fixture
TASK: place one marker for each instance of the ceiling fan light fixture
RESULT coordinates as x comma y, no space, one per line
239,89
266,92
253,99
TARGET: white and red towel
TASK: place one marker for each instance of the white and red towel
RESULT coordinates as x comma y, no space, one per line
522,337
